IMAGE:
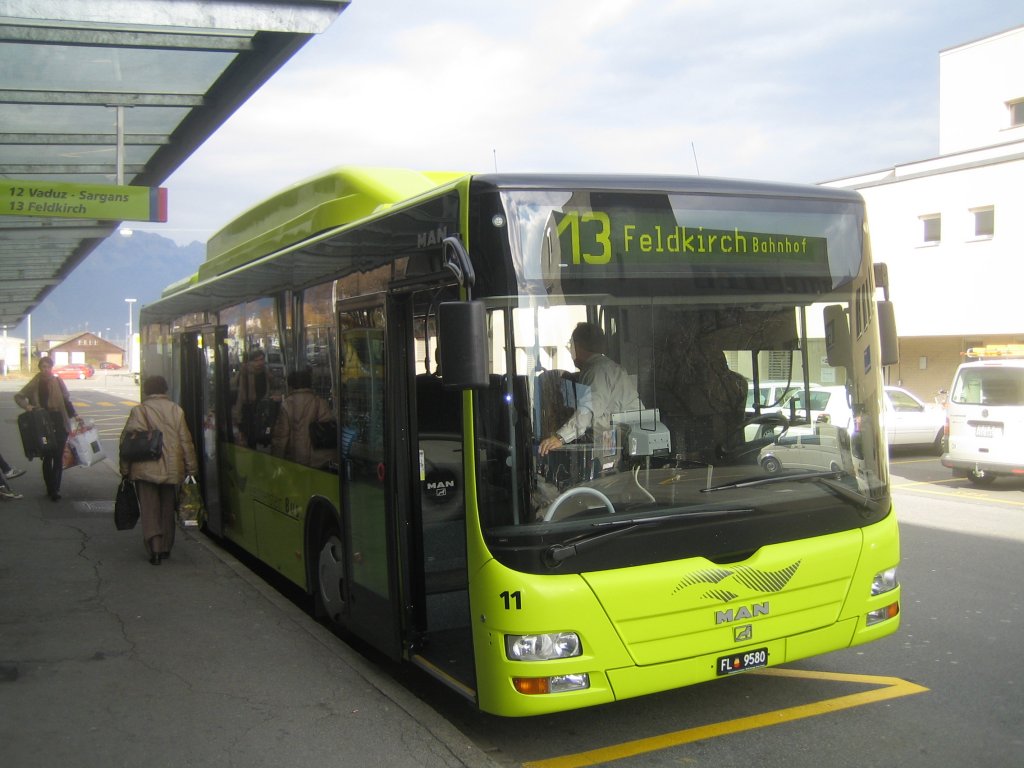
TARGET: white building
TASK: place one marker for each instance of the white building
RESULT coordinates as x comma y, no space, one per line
951,228
10,353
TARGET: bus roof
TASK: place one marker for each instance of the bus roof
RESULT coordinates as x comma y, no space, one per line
704,185
335,198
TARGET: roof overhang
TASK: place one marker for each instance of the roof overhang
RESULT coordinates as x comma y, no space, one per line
121,93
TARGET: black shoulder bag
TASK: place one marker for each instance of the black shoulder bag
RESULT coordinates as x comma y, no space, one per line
142,444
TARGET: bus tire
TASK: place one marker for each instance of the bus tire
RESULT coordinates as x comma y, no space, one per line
330,576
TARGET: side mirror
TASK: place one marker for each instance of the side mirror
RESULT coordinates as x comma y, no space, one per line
838,345
887,333
462,335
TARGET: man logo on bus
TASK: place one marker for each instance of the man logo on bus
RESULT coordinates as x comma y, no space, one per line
439,484
441,488
743,612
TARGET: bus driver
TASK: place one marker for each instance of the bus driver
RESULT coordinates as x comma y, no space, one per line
611,390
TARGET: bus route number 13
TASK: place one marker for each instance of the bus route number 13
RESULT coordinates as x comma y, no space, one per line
512,600
593,224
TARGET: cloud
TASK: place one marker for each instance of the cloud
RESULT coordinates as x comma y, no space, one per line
787,90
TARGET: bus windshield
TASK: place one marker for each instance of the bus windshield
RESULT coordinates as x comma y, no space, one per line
623,375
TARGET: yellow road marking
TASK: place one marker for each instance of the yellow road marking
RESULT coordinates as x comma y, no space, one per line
957,493
894,463
890,688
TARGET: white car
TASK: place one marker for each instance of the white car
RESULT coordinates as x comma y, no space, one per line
821,447
772,395
908,420
828,405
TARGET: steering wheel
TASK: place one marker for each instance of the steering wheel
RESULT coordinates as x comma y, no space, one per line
580,490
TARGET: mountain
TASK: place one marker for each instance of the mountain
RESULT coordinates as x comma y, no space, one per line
92,297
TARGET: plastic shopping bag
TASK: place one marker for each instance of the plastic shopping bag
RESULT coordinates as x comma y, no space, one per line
68,459
190,504
84,441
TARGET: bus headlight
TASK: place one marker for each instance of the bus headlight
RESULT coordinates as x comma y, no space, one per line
554,645
884,582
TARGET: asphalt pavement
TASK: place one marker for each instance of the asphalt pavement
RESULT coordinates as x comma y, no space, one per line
106,660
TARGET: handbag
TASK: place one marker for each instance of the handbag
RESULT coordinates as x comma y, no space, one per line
190,503
126,506
142,444
323,434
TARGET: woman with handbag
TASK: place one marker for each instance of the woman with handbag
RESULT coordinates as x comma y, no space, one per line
47,392
157,479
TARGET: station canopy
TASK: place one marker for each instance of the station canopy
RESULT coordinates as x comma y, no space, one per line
120,92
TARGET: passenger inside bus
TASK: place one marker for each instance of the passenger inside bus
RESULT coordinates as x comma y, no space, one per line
302,418
701,400
255,403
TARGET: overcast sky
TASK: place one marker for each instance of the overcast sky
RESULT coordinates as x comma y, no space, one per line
788,90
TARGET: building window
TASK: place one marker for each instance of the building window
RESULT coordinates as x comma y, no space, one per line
984,221
932,231
1016,113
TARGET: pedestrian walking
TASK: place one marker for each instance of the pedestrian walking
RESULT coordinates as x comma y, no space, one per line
157,481
46,391
7,472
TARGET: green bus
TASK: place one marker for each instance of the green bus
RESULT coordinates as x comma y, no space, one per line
473,504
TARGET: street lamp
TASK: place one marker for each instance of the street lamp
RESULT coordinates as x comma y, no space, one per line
128,343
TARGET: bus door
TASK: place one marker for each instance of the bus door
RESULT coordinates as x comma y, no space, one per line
369,475
437,582
202,374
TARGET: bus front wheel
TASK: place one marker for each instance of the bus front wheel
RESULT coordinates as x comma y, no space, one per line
330,577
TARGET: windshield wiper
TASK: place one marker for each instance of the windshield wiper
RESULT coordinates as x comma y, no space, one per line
750,482
556,553
826,478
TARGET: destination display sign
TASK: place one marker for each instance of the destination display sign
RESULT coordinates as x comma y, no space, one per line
82,201
632,244
596,238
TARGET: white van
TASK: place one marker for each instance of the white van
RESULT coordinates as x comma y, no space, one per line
985,415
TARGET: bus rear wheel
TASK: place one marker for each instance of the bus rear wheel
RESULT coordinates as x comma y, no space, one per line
330,577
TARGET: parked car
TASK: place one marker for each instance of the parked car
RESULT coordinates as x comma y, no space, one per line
73,371
821,447
911,421
986,415
908,420
828,405
772,395
107,366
